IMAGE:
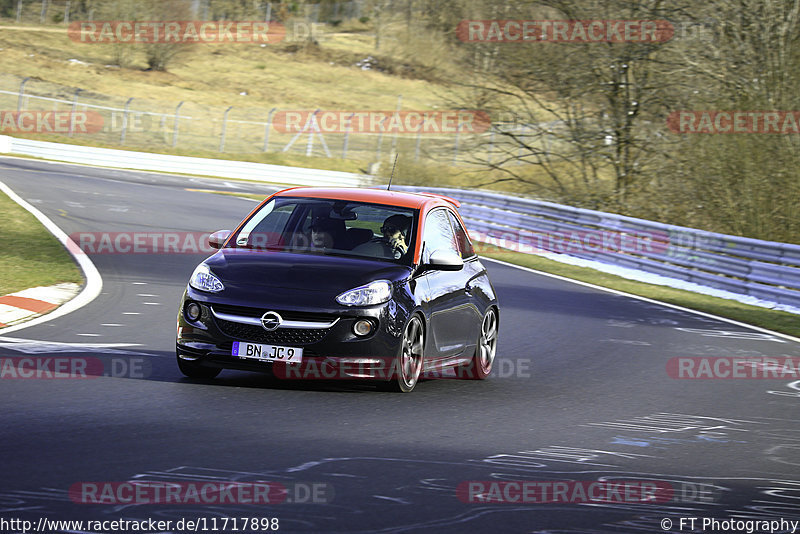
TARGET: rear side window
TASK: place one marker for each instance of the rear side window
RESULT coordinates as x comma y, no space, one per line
462,238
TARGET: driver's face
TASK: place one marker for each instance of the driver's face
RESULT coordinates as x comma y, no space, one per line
390,231
321,238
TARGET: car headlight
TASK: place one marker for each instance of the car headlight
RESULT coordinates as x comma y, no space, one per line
204,280
376,292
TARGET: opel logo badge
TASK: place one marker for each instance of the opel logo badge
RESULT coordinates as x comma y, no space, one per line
271,321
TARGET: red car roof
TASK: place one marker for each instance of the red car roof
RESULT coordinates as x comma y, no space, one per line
375,196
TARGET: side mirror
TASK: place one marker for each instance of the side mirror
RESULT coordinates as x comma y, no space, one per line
218,238
445,260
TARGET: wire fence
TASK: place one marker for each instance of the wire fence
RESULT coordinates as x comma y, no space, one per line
137,122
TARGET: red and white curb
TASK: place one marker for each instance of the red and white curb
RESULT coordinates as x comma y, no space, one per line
29,303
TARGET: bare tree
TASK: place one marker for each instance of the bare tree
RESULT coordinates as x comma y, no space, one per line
744,55
588,116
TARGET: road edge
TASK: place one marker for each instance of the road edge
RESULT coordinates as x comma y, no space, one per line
94,282
646,299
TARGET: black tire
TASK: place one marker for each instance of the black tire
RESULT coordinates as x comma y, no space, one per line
408,364
485,350
195,370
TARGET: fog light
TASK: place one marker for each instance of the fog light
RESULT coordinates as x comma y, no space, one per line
362,327
193,311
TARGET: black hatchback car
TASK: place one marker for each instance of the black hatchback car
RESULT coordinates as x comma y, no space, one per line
321,283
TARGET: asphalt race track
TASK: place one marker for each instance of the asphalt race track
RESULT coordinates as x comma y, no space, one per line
581,391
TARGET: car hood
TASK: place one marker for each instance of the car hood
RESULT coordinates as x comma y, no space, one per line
249,271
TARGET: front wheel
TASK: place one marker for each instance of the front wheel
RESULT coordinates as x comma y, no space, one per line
409,361
194,370
481,365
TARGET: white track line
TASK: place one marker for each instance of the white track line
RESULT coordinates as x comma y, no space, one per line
653,301
94,282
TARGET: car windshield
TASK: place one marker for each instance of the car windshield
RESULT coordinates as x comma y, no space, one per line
331,227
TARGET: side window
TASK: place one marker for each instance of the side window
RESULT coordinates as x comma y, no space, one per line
438,234
462,238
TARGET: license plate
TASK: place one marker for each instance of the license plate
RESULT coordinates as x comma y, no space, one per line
272,353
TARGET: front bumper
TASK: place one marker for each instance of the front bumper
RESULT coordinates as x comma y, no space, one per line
331,349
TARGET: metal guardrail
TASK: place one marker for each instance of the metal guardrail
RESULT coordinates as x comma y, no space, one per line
124,159
766,270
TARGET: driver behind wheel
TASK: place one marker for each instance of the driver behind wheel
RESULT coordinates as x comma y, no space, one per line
395,231
393,242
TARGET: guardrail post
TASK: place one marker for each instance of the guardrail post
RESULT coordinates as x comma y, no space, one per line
74,109
347,125
312,122
268,126
224,126
21,93
380,141
125,121
176,124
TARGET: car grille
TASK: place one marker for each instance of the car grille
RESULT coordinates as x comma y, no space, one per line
282,336
258,312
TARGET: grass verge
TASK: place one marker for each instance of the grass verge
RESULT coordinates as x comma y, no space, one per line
31,255
779,321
